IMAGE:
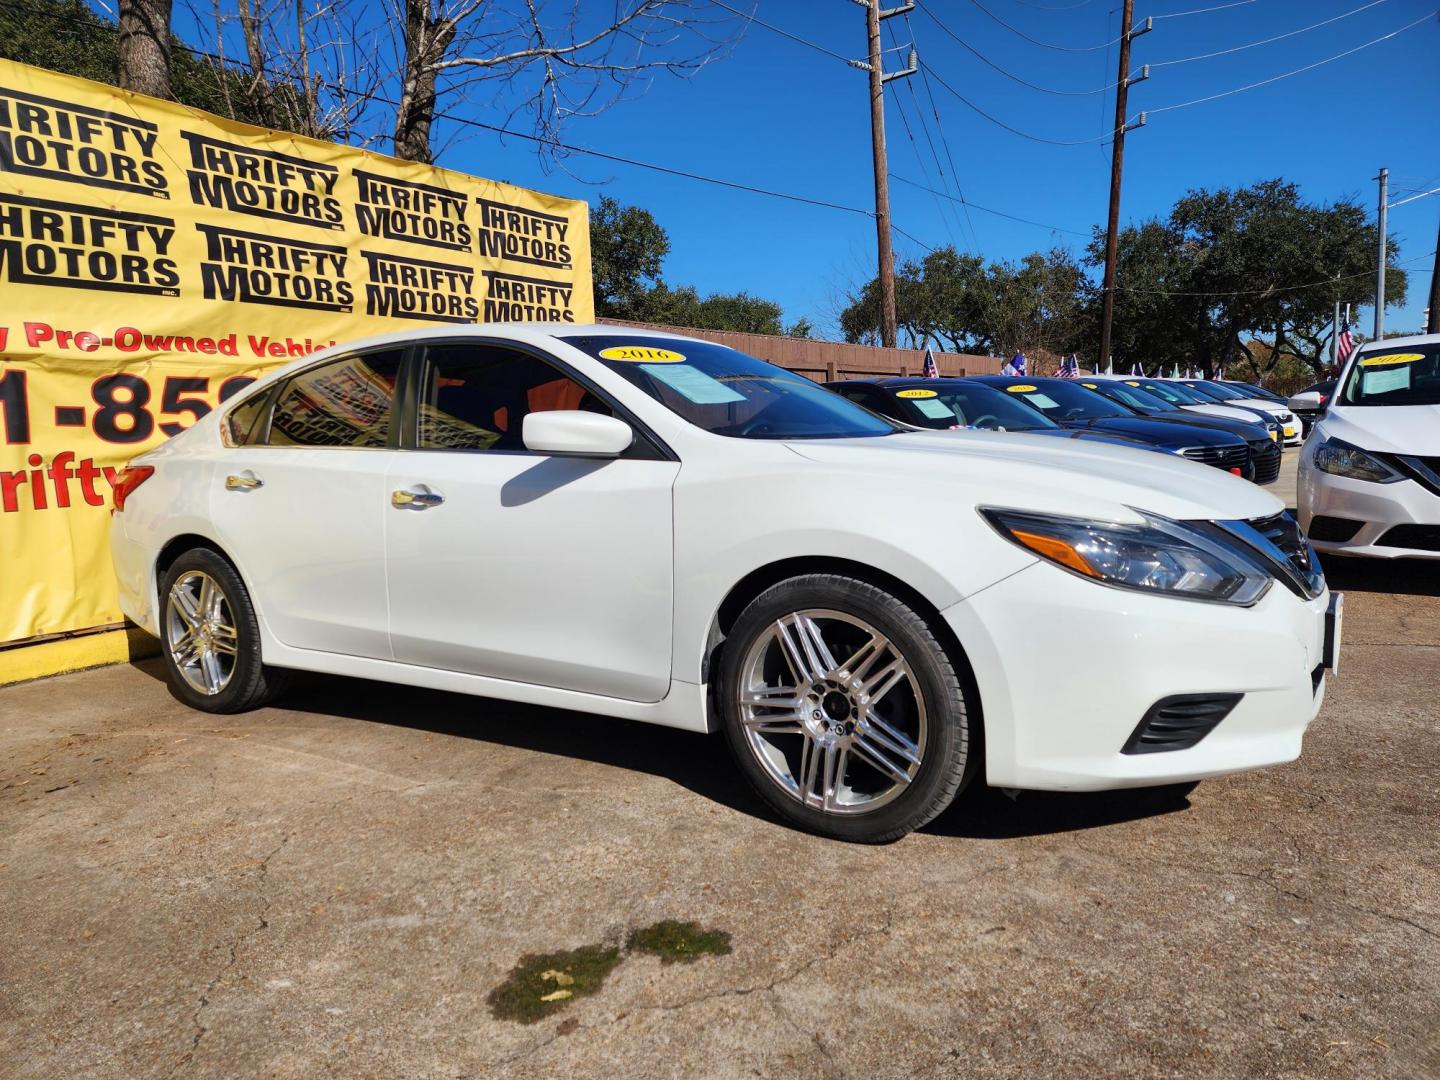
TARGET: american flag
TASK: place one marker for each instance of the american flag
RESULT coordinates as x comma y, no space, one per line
932,371
1346,343
1069,368
1016,366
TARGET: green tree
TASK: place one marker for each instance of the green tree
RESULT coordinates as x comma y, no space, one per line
627,247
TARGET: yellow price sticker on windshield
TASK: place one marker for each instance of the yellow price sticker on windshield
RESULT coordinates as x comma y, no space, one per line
1393,358
915,393
1023,388
1089,386
1129,382
642,354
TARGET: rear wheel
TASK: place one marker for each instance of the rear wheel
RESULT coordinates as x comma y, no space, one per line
211,637
843,709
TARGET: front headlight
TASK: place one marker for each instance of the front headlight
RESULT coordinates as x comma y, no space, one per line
1160,556
1341,459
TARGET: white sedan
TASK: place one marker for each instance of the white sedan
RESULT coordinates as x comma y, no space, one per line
652,527
1369,481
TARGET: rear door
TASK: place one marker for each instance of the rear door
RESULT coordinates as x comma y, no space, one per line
534,568
301,504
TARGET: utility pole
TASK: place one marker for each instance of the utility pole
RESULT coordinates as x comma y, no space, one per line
1432,325
1380,262
1335,330
874,15
1117,161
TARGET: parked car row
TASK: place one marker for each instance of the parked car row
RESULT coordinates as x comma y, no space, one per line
1241,441
648,526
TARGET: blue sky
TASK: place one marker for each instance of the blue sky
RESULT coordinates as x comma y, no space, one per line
779,115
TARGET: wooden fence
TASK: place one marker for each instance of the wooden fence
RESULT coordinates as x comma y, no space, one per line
827,361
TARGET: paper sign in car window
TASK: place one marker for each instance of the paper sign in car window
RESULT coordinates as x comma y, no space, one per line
1383,382
935,409
643,354
691,384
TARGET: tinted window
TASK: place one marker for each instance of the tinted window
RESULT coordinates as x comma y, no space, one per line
346,402
241,425
971,405
476,397
1060,399
1175,393
1216,392
1131,396
1403,375
729,393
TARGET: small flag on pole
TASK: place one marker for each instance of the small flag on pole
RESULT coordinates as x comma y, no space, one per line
1069,368
1015,367
932,370
1346,344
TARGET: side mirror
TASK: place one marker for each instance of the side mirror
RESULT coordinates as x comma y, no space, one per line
582,434
1310,401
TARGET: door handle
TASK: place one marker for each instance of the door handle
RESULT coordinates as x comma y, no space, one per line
246,481
418,498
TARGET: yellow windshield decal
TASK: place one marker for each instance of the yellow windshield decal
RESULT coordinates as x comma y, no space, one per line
641,354
914,393
1393,358
1089,386
1023,388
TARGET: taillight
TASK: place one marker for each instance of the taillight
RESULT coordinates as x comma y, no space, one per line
130,478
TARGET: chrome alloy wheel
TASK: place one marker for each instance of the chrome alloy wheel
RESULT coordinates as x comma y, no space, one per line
200,632
844,737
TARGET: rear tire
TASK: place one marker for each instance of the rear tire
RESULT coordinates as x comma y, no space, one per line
210,637
843,709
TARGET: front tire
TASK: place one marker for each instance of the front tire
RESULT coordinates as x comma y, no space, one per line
210,636
843,709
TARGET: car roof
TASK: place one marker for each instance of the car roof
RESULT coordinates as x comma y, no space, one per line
1413,339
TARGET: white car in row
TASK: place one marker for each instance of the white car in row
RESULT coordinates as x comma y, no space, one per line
1369,480
653,527
1291,430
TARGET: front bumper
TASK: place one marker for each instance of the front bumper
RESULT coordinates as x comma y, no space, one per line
1066,668
1380,507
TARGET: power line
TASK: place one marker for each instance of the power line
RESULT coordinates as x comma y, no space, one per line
1297,71
945,142
1412,198
751,17
1204,10
1013,130
1003,71
988,210
1037,41
1269,40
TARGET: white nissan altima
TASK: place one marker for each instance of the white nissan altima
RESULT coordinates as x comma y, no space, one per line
648,526
1369,479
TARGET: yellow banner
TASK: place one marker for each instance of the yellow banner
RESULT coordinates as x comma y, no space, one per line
155,259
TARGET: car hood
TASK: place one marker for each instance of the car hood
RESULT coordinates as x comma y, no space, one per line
1395,429
1030,472
1245,416
1176,432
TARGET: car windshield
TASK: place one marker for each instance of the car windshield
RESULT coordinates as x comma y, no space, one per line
1216,392
1402,375
1130,394
1175,394
1062,400
953,403
729,393
1255,391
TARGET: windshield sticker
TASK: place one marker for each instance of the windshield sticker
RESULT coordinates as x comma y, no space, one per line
692,384
1089,386
641,354
935,409
1383,382
915,393
1393,358
1129,383
1023,388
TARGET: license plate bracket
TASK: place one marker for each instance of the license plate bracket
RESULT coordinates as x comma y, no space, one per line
1334,617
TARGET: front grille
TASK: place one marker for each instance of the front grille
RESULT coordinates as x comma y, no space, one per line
1283,531
1264,461
1415,537
1179,722
1333,530
1423,470
1221,457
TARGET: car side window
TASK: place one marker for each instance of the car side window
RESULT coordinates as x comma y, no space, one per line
242,425
476,396
345,403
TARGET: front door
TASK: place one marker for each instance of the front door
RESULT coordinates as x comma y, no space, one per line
302,505
550,570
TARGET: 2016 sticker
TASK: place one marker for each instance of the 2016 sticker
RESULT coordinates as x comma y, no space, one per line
915,393
642,354
1023,388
